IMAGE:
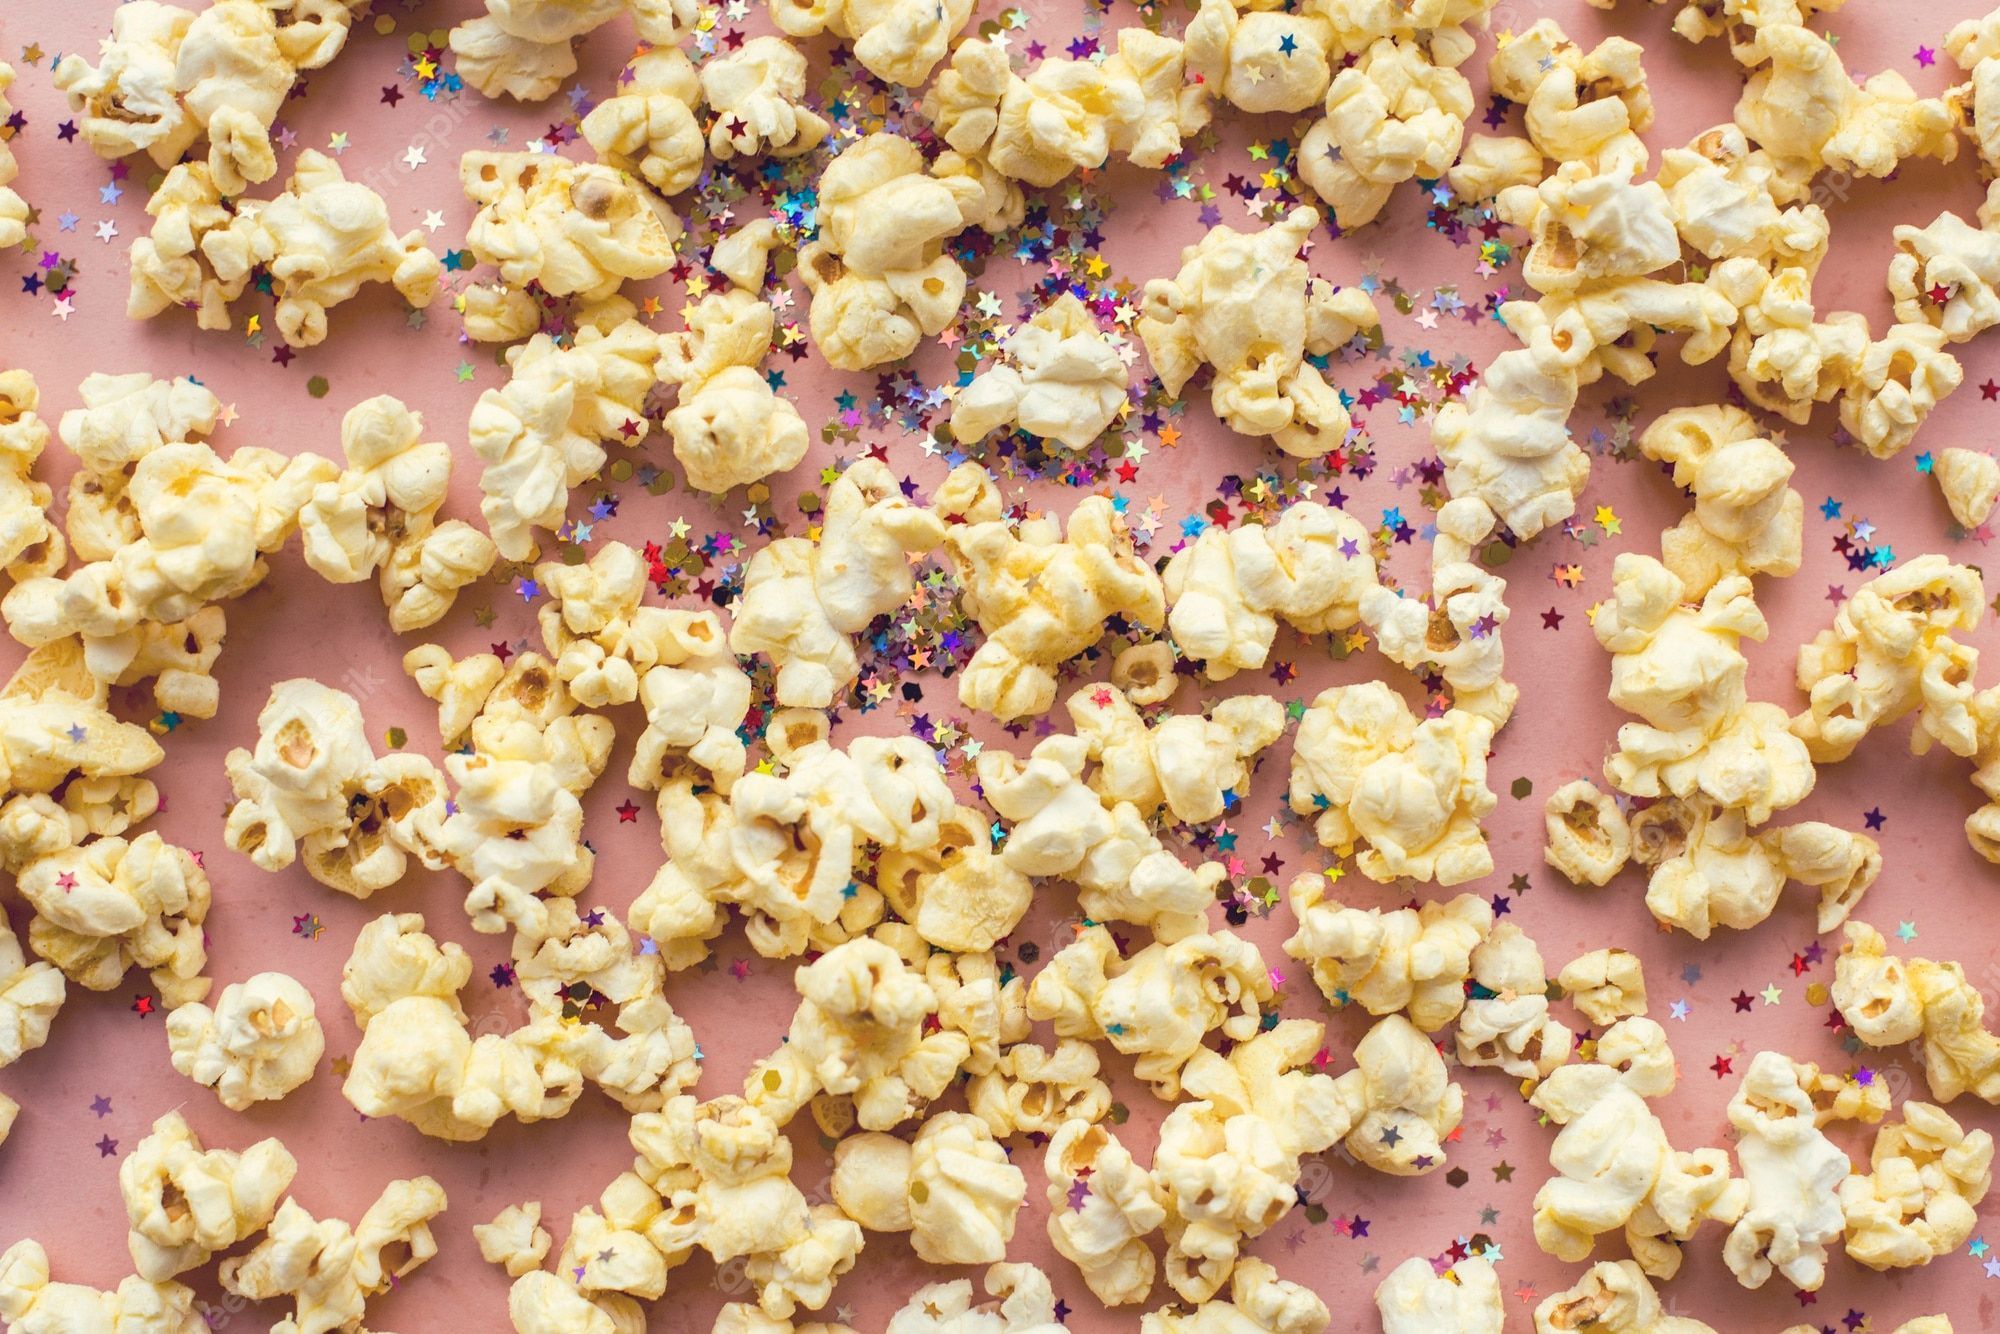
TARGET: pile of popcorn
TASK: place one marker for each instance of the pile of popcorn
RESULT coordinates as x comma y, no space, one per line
928,1064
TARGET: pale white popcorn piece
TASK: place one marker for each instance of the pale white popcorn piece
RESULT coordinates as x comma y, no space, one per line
57,734
1037,129
1582,106
1591,228
1416,1299
1953,257
879,275
1728,202
961,1195
126,417
959,894
648,128
112,905
1227,1163
600,636
730,427
574,229
744,256
1173,107
1391,114
1606,984
327,1269
1615,1168
1792,1176
1919,1199
1031,1090
804,599
1190,765
1746,518
32,1304
1970,483
9,1110
515,1240
1612,1297
1260,59
30,542
1102,1206
1781,356
1974,46
185,1203
314,780
1709,869
1589,838
1507,448
1890,652
543,1303
1888,1001
1899,380
1454,634
262,1040
1061,380
543,433
756,94
30,996
1489,163
167,77
1399,1100
900,42
1506,1022
1158,1005
1227,590
1244,303
380,515
1367,771
521,48
1260,1303
1022,1303
1414,959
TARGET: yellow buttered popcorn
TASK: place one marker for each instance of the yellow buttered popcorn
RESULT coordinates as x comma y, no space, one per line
1970,483
111,904
262,1040
30,996
1399,1100
1888,1001
1022,1302
1489,163
958,894
1589,838
1259,59
326,1269
1506,1022
1034,1091
730,427
1368,771
899,43
1709,869
1394,113
30,542
185,1203
1158,1005
32,1304
1899,380
1792,1177
522,48
515,1239
1746,519
1731,201
1038,129
1102,1206
803,599
1612,1297
959,1194
1227,1164
1591,228
1414,959
1582,106
1061,380
1190,765
1974,46
1259,1303
1606,985
1245,303
648,129
1416,1299
1919,1199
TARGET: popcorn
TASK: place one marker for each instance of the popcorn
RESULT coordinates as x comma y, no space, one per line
30,543
1489,163
1391,115
261,1041
321,241
1917,1202
1399,1100
314,779
879,274
1227,1163
185,1203
1189,764
601,638
168,77
1792,1174
1589,838
744,256
1102,1205
962,1192
803,599
327,1269
1414,959
543,433
1888,1001
1033,1091
1507,448
1042,597
1455,634
959,895
1022,1303
1970,482
9,1109
1953,257
1974,46
646,129
1900,378
730,428
1245,304
1172,107
1877,662
1060,828
380,514
1159,1004
1782,359
1506,1022
1262,1303
521,48
1062,380
1582,106
33,1305
1607,985
1415,1298
757,96
30,996
111,905
1726,198
126,417
1746,520
1037,129
1613,1297
1709,870
1366,769
1260,60
1615,1168
515,1239
573,229
899,43
542,1303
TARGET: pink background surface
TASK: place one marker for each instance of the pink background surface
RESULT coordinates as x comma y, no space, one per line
59,1185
